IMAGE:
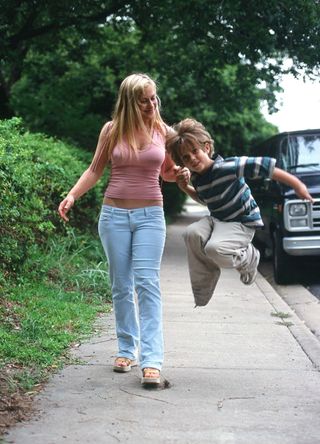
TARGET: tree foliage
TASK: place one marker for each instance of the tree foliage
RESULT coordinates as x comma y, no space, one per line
68,89
61,62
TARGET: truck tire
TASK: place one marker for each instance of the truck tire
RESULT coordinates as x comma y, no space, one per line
282,262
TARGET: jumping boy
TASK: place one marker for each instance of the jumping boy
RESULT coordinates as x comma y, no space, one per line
223,239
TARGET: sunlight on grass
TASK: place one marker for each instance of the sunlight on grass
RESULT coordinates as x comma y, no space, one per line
51,304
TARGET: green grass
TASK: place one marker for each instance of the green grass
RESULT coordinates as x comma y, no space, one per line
282,316
52,303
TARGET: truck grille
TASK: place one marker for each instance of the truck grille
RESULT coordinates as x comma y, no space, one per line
307,222
316,214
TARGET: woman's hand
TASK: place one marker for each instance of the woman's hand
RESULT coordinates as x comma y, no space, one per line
65,206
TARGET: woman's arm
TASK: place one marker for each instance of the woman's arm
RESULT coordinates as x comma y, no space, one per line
168,169
88,178
292,181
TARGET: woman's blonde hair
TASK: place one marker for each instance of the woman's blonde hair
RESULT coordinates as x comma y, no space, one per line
127,118
188,132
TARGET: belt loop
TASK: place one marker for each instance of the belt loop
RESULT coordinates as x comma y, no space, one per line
145,211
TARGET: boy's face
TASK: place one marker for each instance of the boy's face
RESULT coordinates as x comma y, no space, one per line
196,157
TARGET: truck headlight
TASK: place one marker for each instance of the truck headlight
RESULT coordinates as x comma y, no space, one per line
298,209
298,223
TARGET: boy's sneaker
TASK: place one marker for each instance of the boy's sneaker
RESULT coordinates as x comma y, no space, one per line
249,276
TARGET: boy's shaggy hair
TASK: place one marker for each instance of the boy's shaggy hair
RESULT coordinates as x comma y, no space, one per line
187,133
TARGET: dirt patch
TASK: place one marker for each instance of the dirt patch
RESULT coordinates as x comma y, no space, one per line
15,405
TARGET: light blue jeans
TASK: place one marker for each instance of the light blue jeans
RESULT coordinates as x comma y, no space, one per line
133,241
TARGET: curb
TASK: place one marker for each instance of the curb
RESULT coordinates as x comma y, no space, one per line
297,327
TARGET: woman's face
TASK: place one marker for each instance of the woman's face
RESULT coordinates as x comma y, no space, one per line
147,103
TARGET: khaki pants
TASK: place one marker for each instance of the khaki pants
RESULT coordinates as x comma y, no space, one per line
212,245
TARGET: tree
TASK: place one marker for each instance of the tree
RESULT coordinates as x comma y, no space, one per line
22,23
68,89
239,30
256,34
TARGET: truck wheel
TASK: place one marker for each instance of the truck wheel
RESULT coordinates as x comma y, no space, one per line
282,262
261,248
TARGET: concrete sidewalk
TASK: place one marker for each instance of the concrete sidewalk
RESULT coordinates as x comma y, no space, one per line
236,371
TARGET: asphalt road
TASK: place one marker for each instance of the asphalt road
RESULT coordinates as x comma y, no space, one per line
314,289
307,274
310,277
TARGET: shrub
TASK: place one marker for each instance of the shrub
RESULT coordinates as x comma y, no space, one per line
35,173
173,199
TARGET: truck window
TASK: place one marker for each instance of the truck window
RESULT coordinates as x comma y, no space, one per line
300,153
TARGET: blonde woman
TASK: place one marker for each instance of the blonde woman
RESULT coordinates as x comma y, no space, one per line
131,225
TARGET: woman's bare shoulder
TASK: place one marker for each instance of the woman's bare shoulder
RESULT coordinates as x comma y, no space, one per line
107,126
168,130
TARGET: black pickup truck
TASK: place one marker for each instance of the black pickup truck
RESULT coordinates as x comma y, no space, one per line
291,225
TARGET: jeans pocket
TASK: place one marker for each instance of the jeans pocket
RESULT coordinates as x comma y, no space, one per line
156,213
104,218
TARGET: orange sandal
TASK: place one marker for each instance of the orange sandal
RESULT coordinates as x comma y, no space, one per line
122,364
150,376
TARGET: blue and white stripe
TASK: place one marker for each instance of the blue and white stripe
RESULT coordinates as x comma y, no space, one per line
224,190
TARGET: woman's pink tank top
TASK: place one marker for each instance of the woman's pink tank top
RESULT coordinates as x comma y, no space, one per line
136,176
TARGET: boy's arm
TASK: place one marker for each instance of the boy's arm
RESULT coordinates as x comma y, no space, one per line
188,189
289,179
182,180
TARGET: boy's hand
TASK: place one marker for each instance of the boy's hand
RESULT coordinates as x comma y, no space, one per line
292,181
302,191
182,177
